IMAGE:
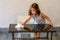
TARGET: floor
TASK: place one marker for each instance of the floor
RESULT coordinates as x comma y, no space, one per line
8,37
54,38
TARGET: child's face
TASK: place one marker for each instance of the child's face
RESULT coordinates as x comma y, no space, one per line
33,11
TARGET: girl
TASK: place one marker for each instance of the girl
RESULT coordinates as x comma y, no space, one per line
38,16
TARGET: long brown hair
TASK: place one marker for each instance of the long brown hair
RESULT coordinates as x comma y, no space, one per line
36,7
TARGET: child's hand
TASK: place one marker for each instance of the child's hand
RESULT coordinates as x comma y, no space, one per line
51,25
48,28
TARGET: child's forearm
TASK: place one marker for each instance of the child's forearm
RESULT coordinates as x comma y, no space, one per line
23,23
48,28
26,20
50,22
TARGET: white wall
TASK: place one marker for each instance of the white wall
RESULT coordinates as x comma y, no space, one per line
10,9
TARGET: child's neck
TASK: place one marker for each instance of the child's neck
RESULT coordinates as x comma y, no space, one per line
36,15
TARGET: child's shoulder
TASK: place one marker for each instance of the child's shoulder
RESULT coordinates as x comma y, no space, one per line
42,13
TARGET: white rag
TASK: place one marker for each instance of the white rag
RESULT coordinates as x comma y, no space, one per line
19,26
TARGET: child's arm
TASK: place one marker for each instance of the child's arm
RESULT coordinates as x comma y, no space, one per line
49,20
26,20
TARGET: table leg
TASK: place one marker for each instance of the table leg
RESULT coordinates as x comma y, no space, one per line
12,35
51,35
47,35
